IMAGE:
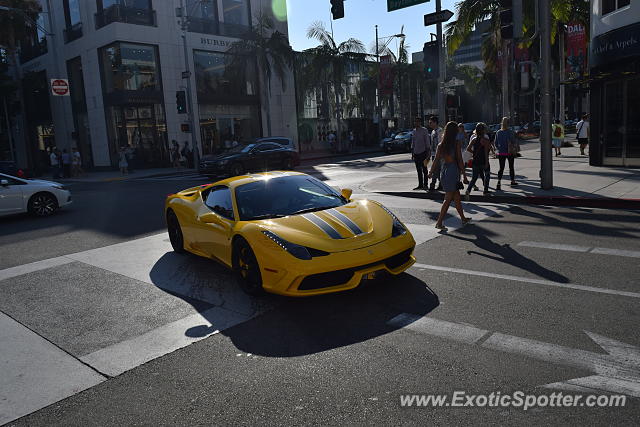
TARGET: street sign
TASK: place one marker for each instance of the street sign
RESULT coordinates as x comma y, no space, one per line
435,17
186,74
60,87
401,4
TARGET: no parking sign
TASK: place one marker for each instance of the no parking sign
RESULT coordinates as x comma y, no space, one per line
60,87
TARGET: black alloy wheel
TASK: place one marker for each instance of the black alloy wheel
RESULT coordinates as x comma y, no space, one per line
43,204
247,268
175,233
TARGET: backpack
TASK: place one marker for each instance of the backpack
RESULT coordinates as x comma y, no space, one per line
557,132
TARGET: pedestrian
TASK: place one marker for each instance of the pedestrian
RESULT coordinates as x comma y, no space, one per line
421,153
583,133
449,151
461,138
55,163
131,158
187,154
436,139
175,154
479,146
557,131
506,149
77,162
352,140
66,164
331,138
123,164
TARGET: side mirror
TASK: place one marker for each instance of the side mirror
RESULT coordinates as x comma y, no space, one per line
209,218
346,193
4,183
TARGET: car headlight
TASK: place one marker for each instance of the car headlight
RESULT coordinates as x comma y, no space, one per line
60,187
398,228
298,251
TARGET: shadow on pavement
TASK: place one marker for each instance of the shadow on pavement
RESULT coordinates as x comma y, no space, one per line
504,253
276,326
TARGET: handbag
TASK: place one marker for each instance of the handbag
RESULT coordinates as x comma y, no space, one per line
514,146
425,162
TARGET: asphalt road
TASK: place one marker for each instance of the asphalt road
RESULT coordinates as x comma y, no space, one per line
523,298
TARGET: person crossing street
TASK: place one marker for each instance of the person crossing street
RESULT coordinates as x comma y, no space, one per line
420,152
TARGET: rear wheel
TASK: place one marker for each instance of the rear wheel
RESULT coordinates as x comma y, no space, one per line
42,204
175,233
247,268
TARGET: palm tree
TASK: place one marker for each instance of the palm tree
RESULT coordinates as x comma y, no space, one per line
267,49
329,61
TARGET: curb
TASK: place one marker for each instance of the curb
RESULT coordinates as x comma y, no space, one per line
334,155
584,202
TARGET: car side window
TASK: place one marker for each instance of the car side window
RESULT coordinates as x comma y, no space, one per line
11,180
268,147
219,201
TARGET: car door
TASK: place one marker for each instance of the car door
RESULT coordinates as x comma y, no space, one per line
256,159
215,223
273,156
11,195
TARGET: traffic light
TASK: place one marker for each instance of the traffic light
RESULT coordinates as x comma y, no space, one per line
337,9
431,60
510,19
181,102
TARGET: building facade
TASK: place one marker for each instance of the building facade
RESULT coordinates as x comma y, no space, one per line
124,60
614,61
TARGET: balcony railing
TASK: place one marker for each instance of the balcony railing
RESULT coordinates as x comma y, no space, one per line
216,28
73,33
127,15
29,52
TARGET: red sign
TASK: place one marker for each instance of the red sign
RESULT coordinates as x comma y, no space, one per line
576,42
386,75
60,87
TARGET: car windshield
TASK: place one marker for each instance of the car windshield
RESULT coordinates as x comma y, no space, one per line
282,196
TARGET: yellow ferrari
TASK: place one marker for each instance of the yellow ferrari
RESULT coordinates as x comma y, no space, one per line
288,233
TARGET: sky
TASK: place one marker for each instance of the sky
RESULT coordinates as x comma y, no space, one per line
360,18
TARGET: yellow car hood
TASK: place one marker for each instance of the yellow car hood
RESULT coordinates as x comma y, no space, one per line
355,225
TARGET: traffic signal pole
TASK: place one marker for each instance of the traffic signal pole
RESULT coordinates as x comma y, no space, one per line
190,110
546,161
442,114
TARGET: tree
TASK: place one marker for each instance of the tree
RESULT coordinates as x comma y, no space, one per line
328,62
267,49
16,25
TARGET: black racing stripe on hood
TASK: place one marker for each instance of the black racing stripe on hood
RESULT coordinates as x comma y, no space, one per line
323,225
346,221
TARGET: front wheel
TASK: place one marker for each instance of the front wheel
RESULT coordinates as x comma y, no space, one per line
42,204
247,268
175,233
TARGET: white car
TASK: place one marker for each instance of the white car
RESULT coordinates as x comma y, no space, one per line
41,198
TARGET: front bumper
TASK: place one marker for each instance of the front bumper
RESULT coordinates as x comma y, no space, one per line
64,198
285,275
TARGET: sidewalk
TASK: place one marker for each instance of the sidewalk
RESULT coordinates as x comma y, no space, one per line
576,183
115,175
324,152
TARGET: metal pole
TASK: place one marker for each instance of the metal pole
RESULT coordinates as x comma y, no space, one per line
546,161
442,65
505,79
562,71
378,105
187,67
9,130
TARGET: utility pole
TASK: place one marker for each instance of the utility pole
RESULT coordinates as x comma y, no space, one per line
561,34
378,106
546,161
442,75
505,79
187,68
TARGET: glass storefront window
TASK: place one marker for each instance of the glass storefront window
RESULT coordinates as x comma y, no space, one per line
236,12
129,66
215,76
136,4
221,125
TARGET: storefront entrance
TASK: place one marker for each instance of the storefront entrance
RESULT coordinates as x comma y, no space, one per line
143,129
621,127
220,131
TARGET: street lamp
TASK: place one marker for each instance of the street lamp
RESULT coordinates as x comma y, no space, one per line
387,41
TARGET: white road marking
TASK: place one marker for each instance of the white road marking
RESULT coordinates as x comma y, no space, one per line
555,246
35,373
616,252
614,371
126,355
20,270
439,328
575,248
529,280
